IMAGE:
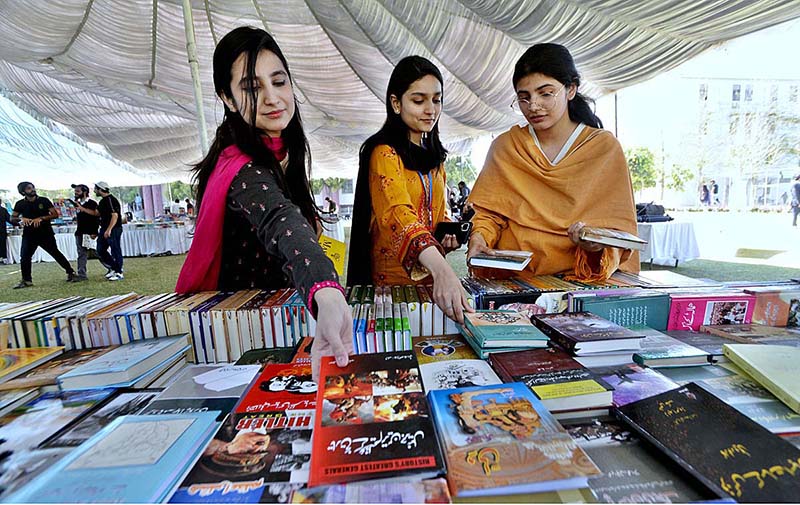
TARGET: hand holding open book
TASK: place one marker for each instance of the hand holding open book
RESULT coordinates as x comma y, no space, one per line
611,238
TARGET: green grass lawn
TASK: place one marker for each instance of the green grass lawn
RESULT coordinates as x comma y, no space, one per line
158,275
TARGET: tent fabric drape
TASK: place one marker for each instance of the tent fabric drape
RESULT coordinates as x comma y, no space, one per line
115,72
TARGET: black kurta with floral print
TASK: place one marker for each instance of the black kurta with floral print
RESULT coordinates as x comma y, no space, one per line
267,243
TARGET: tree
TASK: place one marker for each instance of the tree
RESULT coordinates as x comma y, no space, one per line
642,166
677,178
460,168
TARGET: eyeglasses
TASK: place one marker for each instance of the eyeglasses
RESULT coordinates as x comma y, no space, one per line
545,100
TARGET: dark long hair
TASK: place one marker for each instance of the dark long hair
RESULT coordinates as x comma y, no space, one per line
394,133
235,130
555,61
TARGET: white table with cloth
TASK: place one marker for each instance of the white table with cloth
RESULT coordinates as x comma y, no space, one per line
136,241
668,243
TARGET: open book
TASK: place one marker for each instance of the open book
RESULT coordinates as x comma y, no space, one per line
509,260
613,238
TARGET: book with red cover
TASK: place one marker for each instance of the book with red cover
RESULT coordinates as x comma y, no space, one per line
280,387
584,333
688,311
560,382
373,421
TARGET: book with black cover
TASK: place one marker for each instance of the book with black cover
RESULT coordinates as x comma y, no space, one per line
585,333
373,421
725,450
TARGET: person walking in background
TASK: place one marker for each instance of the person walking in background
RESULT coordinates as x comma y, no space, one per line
34,213
189,207
795,199
714,188
331,206
5,217
110,236
705,196
88,220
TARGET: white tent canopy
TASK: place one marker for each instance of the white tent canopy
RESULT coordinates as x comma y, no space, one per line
32,151
116,72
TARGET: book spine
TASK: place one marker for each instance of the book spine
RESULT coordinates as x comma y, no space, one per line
372,344
219,337
406,327
380,344
426,312
198,346
397,326
232,334
267,327
208,337
414,311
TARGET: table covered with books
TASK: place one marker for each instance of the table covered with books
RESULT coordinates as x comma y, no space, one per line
586,392
668,243
136,240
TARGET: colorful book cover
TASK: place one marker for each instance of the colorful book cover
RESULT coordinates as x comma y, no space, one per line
585,333
372,421
280,388
773,366
688,313
433,349
632,472
135,459
774,304
555,377
753,400
14,362
632,383
121,403
501,440
501,328
253,458
47,373
722,448
751,333
458,373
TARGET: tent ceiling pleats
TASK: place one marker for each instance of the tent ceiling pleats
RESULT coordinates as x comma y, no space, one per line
115,72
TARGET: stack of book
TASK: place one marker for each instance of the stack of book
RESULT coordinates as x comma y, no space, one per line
489,331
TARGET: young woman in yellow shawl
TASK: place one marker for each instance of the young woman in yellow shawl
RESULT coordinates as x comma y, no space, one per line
543,182
400,193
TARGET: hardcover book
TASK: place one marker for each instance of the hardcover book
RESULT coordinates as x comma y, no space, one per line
712,344
503,259
253,458
688,311
124,363
122,403
632,383
632,471
775,367
14,362
775,304
585,333
372,421
135,459
639,308
725,450
613,238
557,380
500,440
280,388
660,350
13,398
754,334
457,373
47,373
503,328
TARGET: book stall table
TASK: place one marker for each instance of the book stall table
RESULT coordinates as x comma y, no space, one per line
668,243
136,240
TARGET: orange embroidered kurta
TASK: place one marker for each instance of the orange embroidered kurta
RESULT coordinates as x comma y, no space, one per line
522,202
403,217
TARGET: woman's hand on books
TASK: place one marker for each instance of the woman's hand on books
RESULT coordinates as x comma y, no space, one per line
574,233
478,245
448,293
334,329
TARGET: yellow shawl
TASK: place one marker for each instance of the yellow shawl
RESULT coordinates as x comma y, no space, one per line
522,202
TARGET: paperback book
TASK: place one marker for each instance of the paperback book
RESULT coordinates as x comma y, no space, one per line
501,328
613,238
373,422
457,373
506,260
584,333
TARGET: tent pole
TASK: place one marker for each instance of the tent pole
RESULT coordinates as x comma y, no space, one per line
194,65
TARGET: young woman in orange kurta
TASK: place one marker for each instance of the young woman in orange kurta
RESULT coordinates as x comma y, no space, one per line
543,182
400,193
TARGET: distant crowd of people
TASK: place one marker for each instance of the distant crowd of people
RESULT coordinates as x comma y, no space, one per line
99,227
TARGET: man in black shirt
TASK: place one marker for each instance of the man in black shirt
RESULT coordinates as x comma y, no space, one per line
88,219
34,213
110,236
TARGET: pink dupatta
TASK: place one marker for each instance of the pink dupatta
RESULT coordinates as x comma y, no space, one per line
201,269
